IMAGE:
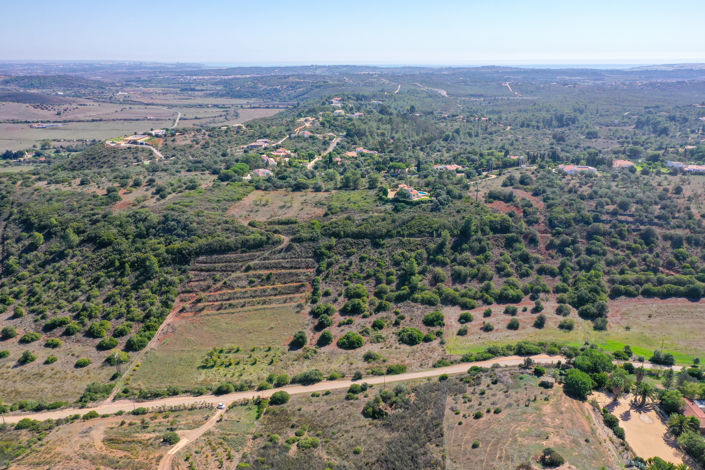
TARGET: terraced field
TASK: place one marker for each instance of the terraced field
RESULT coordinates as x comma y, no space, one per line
238,300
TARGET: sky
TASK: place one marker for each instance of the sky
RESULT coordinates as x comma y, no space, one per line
410,32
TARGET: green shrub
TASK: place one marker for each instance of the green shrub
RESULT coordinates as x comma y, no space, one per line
8,332
26,358
371,356
308,377
281,380
82,362
434,319
465,317
394,369
540,321
478,415
4,353
566,324
325,339
107,343
578,384
475,444
279,398
139,411
30,337
487,313
50,360
463,331
350,340
513,324
511,310
72,328
52,343
487,327
224,388
410,336
299,340
551,458
170,438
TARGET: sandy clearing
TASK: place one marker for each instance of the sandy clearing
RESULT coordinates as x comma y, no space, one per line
644,430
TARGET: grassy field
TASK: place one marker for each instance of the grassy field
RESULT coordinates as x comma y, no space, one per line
176,360
59,381
643,325
268,205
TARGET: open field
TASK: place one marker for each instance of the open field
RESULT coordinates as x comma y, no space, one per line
268,205
60,381
528,419
83,119
118,442
643,324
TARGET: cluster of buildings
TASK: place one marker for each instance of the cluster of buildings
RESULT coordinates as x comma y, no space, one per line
686,168
575,169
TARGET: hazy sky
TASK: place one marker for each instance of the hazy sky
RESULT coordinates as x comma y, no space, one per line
449,32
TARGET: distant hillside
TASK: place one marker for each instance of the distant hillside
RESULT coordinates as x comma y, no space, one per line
31,98
70,82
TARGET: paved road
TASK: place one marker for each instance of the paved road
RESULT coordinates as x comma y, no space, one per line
328,150
160,403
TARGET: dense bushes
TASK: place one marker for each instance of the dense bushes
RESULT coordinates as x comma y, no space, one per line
350,340
578,384
410,336
308,377
279,398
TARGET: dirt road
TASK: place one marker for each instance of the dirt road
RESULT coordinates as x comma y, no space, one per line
330,148
188,437
157,154
176,121
161,403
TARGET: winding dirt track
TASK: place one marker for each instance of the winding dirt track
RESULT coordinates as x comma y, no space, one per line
161,403
188,437
328,150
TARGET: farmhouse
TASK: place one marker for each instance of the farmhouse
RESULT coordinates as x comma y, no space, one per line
158,132
696,408
281,152
573,169
269,161
694,168
448,167
262,172
413,193
259,143
671,164
622,164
